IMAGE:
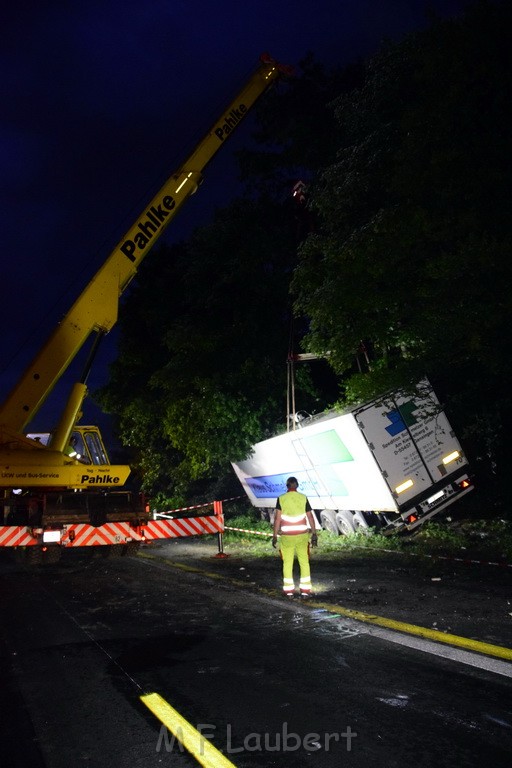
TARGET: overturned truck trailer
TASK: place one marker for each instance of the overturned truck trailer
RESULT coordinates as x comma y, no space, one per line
390,464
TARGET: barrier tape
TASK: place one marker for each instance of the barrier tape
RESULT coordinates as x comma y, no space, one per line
196,506
246,530
465,560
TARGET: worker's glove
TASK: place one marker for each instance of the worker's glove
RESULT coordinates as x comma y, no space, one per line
274,541
314,540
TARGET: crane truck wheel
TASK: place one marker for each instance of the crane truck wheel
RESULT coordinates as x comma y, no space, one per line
328,521
345,521
112,550
52,555
131,548
34,555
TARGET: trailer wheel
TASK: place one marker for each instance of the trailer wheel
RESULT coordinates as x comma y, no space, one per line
328,521
361,524
345,521
268,514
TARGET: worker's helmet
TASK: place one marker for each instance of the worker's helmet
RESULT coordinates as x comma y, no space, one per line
292,481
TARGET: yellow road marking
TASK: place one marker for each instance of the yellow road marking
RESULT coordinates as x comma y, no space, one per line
477,646
193,741
430,634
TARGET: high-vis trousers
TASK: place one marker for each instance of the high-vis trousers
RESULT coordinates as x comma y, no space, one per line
291,545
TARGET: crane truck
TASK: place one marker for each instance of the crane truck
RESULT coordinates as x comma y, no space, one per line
59,487
389,464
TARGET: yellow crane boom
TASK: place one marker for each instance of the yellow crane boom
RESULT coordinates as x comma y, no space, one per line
96,309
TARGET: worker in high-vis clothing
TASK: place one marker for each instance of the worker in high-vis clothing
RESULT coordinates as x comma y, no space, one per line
294,521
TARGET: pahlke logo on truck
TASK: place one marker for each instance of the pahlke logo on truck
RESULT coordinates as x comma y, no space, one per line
230,121
156,217
98,480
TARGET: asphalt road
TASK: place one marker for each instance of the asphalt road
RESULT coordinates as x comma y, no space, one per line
269,681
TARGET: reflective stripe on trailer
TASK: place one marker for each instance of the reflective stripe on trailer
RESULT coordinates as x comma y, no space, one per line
16,536
185,526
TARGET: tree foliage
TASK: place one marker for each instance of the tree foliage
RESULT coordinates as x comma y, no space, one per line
411,250
201,371
406,241
296,128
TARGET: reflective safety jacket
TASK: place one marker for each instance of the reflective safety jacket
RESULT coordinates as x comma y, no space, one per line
293,506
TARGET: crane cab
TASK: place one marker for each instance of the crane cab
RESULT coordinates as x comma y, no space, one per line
85,444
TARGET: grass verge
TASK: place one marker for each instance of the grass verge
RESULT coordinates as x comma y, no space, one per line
476,539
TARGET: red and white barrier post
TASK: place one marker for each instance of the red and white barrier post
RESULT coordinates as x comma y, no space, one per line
217,509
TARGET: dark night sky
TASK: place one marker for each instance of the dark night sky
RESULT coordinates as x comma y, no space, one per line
102,100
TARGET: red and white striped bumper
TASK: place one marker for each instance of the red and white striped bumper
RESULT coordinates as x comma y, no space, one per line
85,535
